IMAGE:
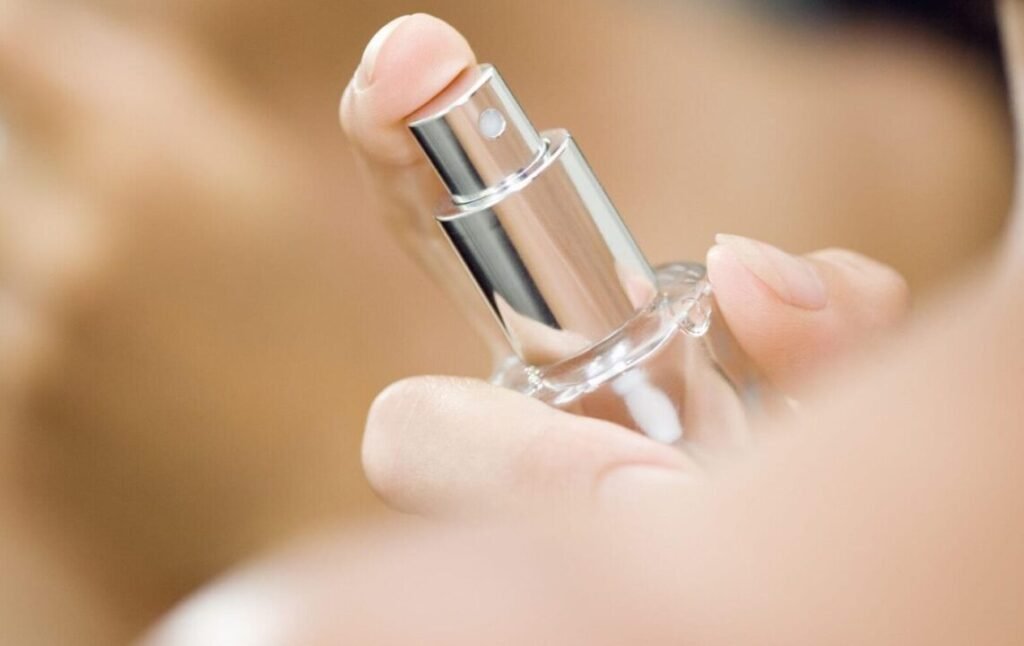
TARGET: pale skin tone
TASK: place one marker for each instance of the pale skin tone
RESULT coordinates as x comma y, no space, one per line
888,514
190,349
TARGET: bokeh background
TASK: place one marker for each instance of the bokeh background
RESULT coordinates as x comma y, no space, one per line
198,304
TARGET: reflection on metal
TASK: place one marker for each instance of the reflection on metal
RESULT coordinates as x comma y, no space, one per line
531,222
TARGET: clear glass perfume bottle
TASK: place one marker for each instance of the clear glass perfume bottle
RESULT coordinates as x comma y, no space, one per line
594,329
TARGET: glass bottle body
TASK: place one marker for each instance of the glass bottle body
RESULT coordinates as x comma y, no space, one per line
674,372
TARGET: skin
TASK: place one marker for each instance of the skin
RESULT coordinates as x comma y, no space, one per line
197,301
888,514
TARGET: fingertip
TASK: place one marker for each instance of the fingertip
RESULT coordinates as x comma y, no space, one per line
401,399
777,336
409,62
766,299
733,282
389,420
404,425
794,280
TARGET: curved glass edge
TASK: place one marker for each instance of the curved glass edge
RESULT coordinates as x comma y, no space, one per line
683,306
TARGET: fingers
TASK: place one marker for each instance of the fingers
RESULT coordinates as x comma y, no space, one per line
441,446
446,447
793,314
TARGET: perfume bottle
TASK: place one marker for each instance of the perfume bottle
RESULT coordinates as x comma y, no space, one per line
593,328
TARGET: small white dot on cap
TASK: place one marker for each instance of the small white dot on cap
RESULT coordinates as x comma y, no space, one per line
492,123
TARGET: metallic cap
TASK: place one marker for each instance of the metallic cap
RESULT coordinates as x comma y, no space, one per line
476,135
530,221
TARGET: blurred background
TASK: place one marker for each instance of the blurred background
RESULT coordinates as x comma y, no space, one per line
197,303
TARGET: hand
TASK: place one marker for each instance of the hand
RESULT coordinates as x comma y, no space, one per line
444,446
847,534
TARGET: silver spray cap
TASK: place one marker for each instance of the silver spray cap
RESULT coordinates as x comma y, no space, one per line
530,221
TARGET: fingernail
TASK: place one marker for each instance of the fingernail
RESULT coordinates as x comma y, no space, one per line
794,280
364,75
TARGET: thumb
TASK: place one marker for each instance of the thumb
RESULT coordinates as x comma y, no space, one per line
793,314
